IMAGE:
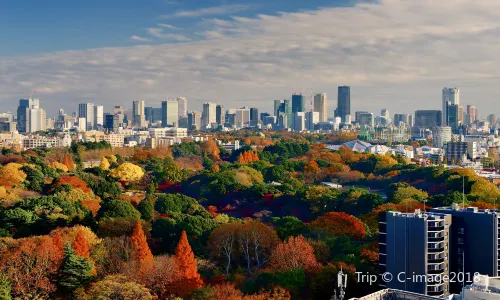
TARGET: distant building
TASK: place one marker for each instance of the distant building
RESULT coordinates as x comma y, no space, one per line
312,118
427,120
441,136
209,115
298,103
453,115
194,120
285,114
451,96
456,152
299,119
170,113
254,116
138,114
320,106
365,119
242,118
86,111
400,119
98,115
30,117
182,101
343,103
220,115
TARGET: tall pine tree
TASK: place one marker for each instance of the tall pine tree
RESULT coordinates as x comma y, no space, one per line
76,271
189,278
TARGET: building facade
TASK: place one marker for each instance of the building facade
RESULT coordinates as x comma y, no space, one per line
320,106
343,103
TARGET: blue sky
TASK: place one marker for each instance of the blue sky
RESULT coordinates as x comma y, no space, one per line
395,54
33,26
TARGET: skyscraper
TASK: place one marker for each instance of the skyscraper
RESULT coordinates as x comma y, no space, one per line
194,120
169,113
220,114
299,121
209,114
86,111
182,106
277,104
242,118
450,96
343,103
320,106
98,115
298,103
285,114
492,119
471,111
23,113
138,114
453,120
254,116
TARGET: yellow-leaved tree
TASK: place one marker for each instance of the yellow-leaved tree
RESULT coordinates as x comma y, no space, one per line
59,166
128,172
104,164
11,175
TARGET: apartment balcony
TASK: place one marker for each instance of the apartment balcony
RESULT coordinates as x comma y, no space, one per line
436,234
435,261
439,255
436,267
435,228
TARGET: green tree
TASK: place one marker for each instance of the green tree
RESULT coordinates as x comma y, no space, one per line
146,208
118,209
75,271
289,226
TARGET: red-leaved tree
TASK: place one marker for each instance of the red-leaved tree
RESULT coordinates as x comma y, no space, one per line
188,277
291,254
340,223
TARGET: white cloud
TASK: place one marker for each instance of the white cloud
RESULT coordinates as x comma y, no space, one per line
394,53
138,38
159,33
210,11
169,26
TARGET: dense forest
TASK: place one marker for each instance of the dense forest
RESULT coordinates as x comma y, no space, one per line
194,221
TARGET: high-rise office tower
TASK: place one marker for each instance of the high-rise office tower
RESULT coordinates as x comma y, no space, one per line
169,113
98,115
320,106
254,116
37,119
450,96
475,243
299,121
138,114
242,118
415,244
385,113
427,119
356,116
194,120
312,118
220,115
343,103
298,103
277,104
209,114
23,113
460,114
453,114
471,111
148,114
86,111
492,119
182,106
441,136
400,119
285,114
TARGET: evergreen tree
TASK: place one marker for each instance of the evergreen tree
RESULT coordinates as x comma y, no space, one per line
146,208
76,271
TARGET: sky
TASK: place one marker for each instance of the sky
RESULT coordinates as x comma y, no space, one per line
395,54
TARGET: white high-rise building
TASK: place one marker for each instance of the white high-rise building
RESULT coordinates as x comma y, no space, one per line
182,106
99,115
242,118
451,96
37,119
312,118
169,113
82,124
209,114
86,110
320,106
138,114
441,136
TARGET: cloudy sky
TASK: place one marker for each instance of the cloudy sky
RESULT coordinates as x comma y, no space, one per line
395,54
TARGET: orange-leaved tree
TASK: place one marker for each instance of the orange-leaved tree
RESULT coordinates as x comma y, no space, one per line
142,253
80,245
187,271
210,147
291,254
340,223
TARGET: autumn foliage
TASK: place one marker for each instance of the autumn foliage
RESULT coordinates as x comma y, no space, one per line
187,271
73,181
294,253
142,253
80,245
247,157
340,223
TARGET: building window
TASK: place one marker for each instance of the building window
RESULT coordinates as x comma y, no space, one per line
460,240
461,230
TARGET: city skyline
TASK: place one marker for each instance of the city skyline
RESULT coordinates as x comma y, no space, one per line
229,54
